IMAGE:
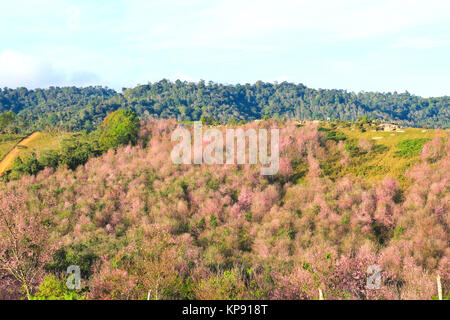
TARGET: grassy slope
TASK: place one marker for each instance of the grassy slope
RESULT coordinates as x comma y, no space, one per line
7,142
40,143
383,161
8,160
45,141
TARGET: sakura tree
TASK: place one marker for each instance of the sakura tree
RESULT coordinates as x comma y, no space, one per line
25,246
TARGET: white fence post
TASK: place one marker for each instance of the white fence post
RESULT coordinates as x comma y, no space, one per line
439,287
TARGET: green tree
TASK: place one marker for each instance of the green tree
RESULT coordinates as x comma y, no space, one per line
75,152
119,128
208,120
7,119
54,289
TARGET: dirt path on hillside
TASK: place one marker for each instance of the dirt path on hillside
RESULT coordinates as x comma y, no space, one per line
9,159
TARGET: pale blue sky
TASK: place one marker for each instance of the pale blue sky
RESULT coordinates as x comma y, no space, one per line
368,45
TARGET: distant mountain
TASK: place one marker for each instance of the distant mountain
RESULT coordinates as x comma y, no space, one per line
83,108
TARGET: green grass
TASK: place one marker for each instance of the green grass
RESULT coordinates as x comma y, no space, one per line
392,154
410,147
45,142
7,143
333,134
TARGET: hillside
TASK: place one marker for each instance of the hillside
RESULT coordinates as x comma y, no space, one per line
8,160
7,143
35,144
385,151
77,109
380,157
137,223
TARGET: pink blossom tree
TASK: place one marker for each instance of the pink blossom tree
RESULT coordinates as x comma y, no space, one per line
24,242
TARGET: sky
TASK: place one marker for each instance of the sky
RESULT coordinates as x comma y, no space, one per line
365,45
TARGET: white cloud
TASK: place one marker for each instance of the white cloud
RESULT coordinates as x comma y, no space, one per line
17,70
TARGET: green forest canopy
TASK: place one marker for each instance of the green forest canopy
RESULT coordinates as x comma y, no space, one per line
76,108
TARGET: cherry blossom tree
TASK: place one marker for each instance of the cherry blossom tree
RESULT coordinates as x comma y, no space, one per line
25,246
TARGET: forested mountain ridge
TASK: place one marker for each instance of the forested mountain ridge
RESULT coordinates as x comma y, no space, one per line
68,107
83,108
